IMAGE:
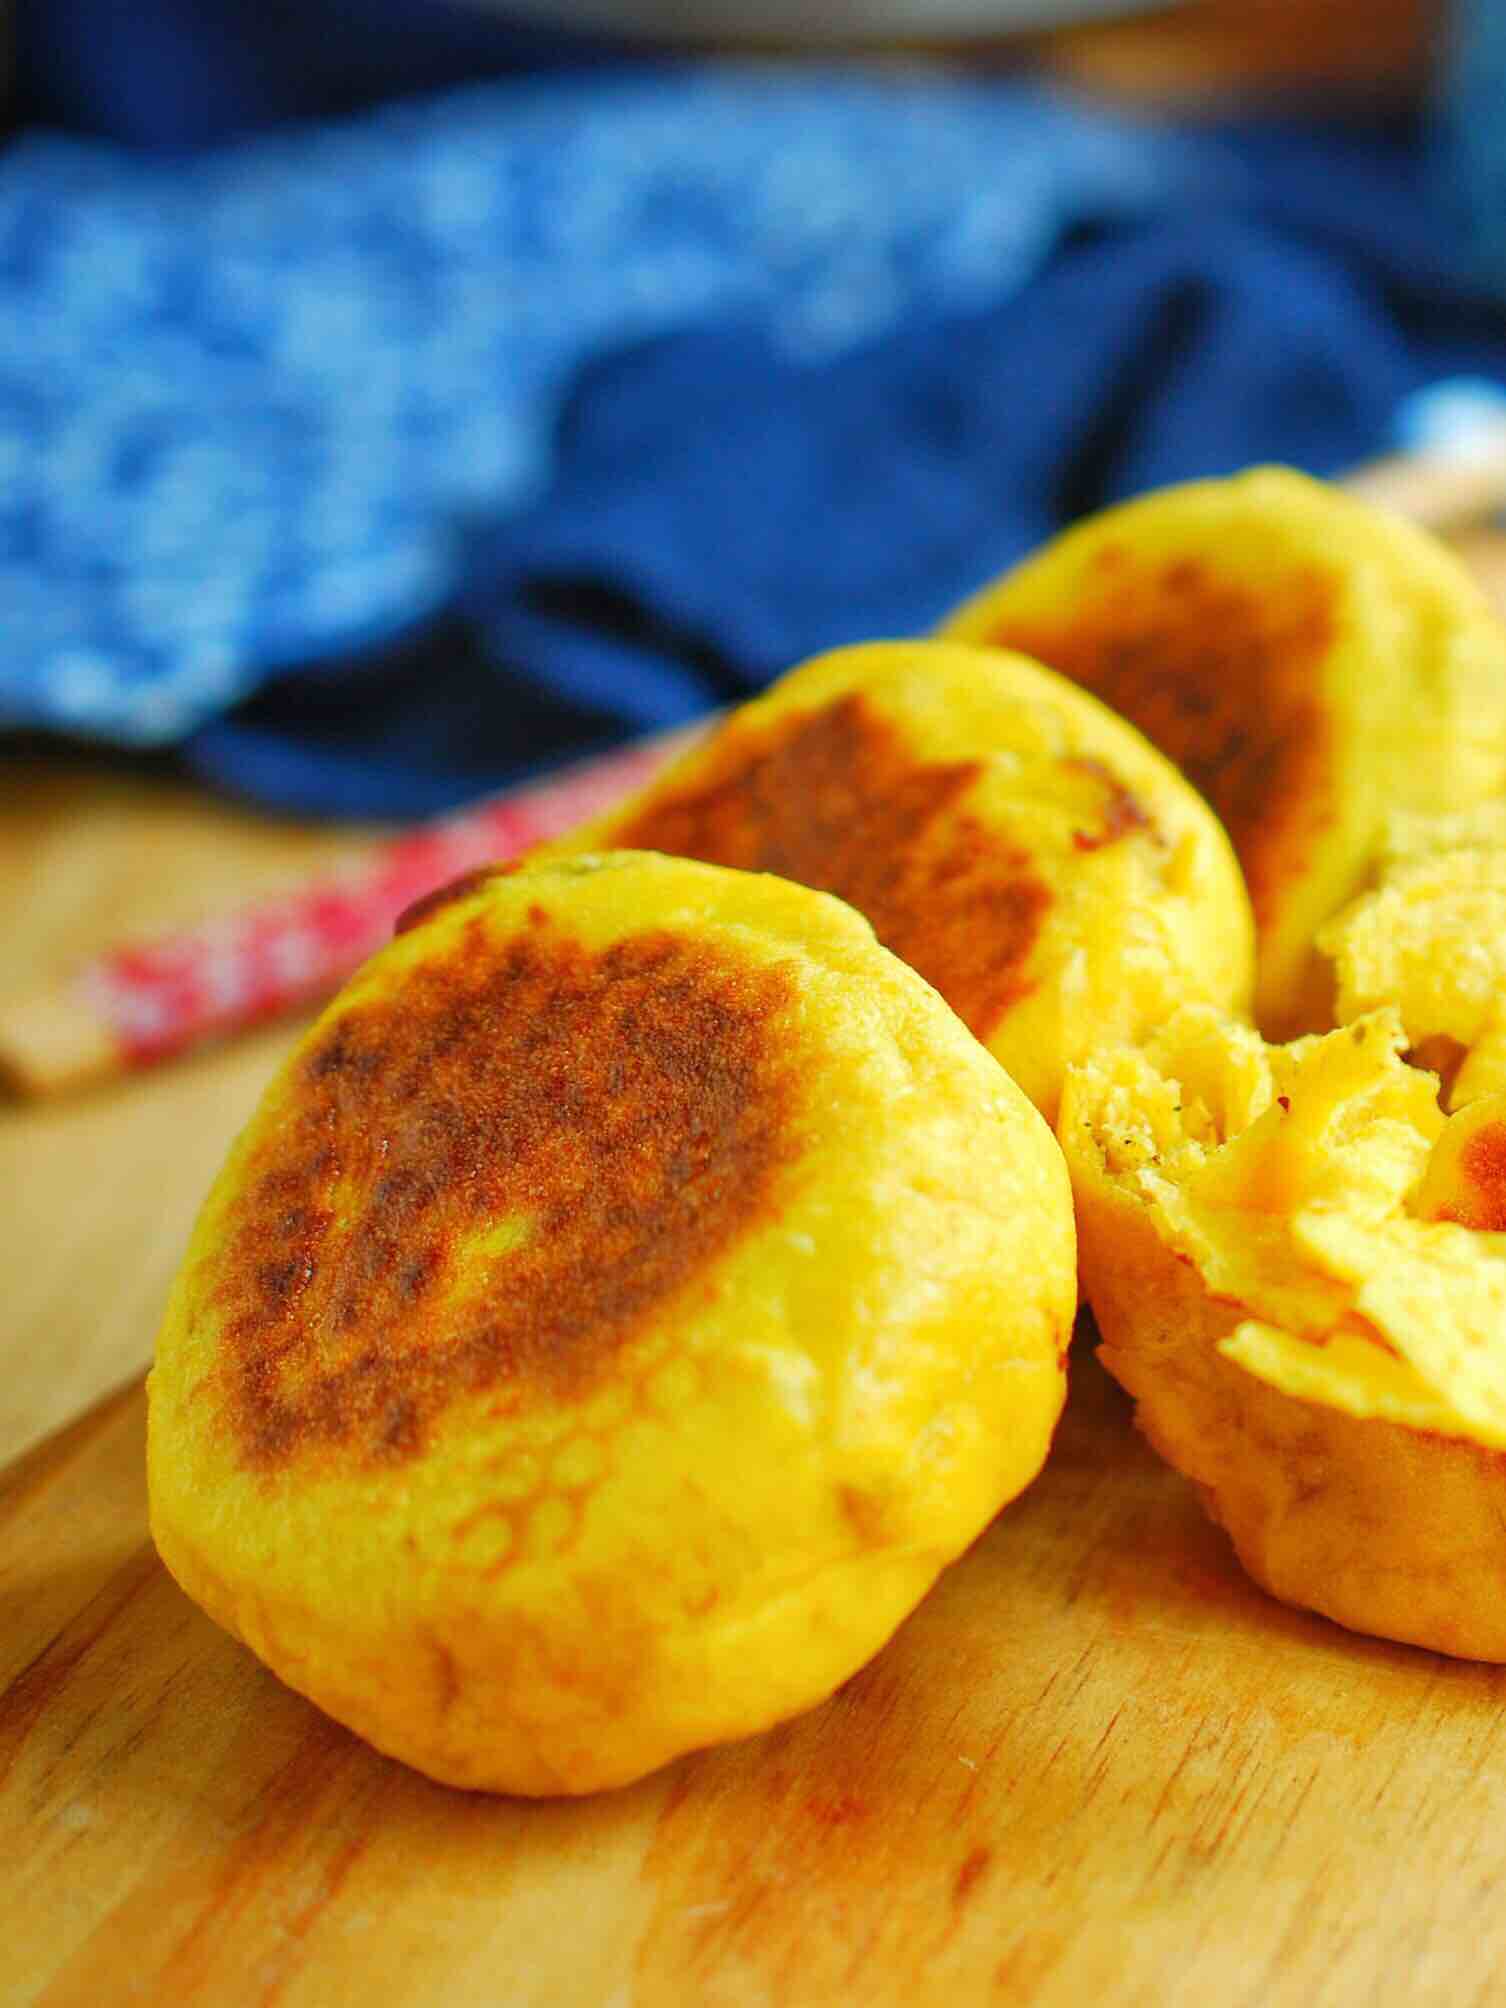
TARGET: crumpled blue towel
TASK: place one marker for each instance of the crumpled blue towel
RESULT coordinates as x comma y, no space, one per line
379,463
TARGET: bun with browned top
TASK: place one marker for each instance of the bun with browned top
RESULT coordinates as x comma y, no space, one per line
1048,871
634,1290
1309,663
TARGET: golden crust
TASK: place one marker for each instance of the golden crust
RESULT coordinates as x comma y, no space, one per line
1307,661
631,1294
1038,863
1430,938
1271,1240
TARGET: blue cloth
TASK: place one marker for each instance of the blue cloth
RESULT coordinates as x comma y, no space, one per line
379,463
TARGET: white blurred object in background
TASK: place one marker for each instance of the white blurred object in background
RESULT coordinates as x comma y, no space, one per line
826,23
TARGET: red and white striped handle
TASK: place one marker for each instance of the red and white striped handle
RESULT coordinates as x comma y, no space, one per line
142,1002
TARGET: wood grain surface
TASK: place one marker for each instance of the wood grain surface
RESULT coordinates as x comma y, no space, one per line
1096,1766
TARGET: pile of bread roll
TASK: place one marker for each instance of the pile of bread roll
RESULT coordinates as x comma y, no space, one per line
662,1259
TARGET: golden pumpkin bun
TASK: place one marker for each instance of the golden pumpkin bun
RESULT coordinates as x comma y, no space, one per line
1307,661
1040,864
1294,1262
1430,937
633,1291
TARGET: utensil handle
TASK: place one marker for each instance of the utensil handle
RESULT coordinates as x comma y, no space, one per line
143,1002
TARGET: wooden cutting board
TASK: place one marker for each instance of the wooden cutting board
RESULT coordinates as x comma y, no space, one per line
1095,1766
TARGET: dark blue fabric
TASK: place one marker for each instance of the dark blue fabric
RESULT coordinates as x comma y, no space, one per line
719,511
262,408
718,501
169,76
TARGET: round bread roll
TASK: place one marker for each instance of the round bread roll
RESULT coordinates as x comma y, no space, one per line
633,1291
1307,661
1296,1266
1050,873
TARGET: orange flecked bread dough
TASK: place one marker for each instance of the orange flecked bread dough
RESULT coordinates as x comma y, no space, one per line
1298,1268
1310,664
1050,873
633,1291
